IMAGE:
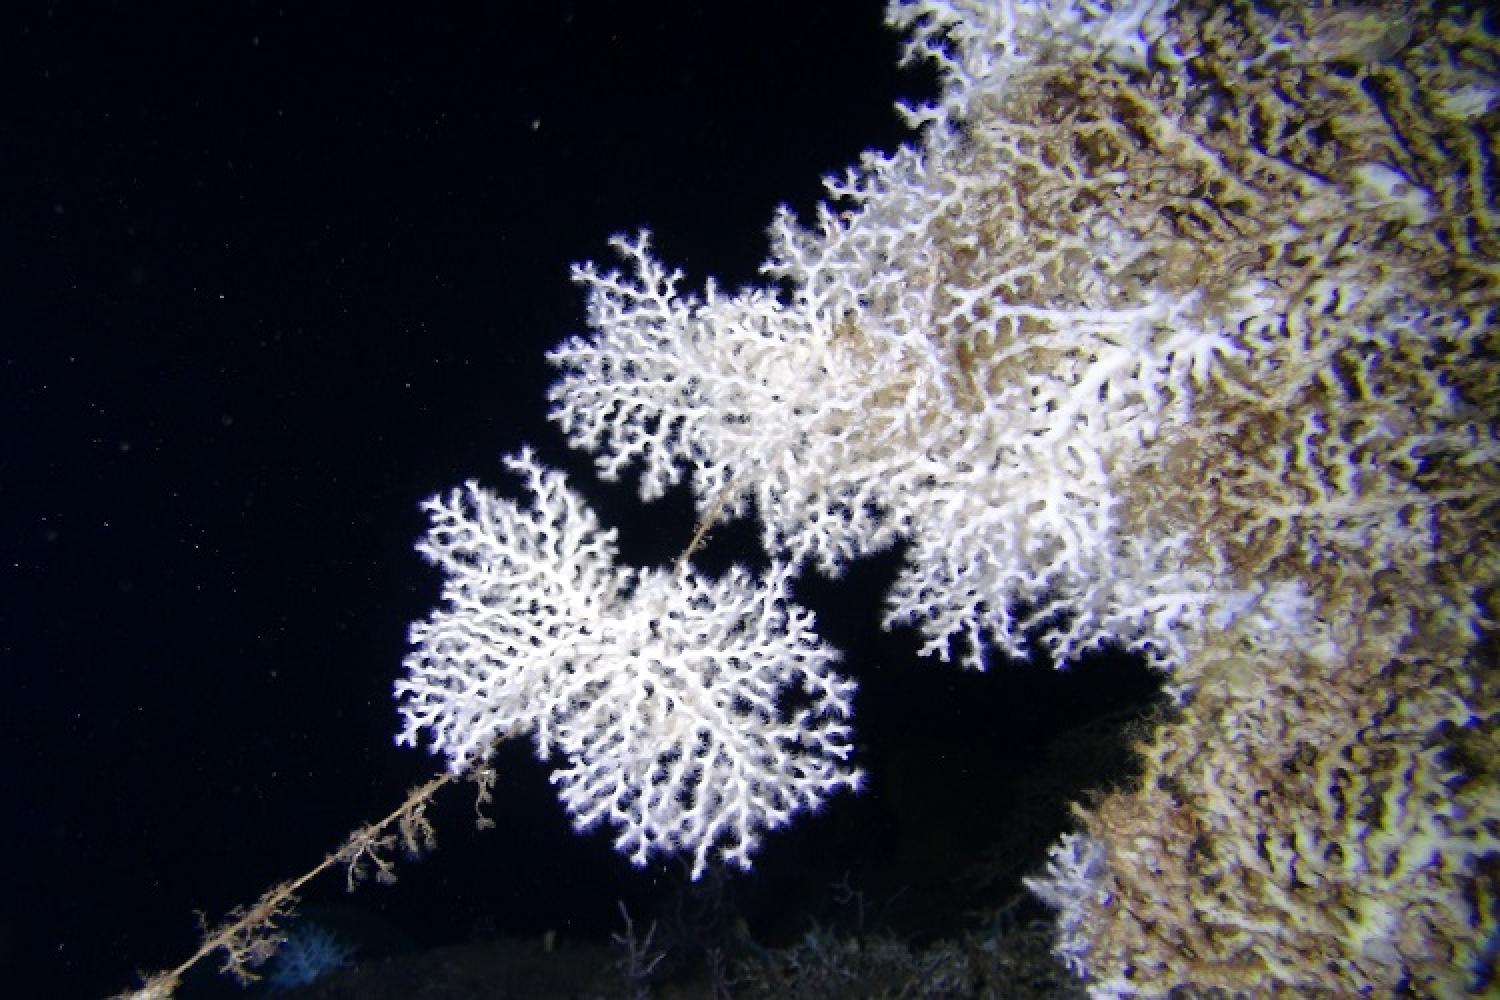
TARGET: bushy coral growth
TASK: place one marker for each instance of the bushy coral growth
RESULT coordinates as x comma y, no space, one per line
1316,819
1178,330
979,408
691,714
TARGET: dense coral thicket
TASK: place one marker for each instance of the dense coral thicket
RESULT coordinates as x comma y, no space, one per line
1178,330
1320,185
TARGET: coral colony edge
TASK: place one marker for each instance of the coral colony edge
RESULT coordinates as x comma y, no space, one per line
1176,331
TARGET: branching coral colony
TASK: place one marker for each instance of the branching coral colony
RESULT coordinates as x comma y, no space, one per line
1177,330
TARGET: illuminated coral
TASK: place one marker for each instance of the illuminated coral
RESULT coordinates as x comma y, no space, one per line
691,714
1317,185
1177,331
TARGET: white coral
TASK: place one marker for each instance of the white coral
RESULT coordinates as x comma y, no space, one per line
929,369
1077,879
689,713
846,436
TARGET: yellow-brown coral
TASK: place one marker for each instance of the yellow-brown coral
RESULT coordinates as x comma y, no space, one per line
1317,818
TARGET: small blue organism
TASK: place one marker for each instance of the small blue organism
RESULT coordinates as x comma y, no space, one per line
308,953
